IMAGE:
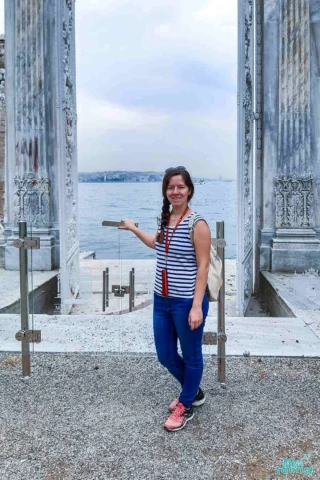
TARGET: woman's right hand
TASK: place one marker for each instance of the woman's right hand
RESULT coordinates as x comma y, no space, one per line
127,225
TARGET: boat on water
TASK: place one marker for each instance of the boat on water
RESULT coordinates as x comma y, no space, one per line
199,182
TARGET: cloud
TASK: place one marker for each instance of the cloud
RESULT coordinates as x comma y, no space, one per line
218,12
101,116
156,84
205,144
110,8
1,16
161,61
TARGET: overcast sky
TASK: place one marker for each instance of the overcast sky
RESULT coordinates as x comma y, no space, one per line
156,85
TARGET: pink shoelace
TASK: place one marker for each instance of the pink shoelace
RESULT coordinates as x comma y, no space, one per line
179,411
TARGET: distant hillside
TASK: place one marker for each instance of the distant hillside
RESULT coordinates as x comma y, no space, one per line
121,176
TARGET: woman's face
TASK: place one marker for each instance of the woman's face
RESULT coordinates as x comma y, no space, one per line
177,191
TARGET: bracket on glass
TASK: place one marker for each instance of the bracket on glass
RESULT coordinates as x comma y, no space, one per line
105,289
132,288
27,243
30,336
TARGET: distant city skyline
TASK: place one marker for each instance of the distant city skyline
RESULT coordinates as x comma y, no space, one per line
156,85
133,175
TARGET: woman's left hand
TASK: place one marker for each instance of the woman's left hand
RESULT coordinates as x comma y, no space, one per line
195,317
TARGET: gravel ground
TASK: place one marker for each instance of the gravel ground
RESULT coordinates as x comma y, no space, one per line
100,417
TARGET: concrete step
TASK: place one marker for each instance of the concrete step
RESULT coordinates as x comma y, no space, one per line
132,333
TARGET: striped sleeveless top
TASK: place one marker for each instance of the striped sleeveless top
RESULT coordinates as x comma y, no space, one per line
181,265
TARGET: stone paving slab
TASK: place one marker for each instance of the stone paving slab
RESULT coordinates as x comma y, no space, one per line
133,333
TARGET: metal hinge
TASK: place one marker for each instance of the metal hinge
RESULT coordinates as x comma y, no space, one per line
221,243
30,336
222,336
120,290
211,338
27,243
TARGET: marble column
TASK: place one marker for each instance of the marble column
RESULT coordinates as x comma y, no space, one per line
315,103
41,173
289,236
2,145
29,116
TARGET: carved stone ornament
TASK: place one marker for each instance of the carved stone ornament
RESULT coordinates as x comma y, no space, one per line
68,102
31,202
70,119
246,73
73,278
294,201
259,82
72,228
248,99
1,202
2,87
248,280
248,234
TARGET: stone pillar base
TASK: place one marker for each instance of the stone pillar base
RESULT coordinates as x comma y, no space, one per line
295,250
42,259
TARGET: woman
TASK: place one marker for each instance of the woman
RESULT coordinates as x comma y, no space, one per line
180,301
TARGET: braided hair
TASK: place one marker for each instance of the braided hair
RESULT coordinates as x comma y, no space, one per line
165,214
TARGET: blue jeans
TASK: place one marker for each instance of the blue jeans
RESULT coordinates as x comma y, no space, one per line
170,323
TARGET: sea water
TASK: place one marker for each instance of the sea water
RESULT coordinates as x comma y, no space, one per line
142,202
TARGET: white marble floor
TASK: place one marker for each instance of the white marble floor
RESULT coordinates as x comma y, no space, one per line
132,333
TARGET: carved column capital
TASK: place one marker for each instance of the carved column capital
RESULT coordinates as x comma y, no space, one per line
294,201
32,200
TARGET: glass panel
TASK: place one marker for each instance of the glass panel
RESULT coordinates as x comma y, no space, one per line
112,256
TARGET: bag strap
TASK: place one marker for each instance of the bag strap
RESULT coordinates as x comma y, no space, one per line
191,226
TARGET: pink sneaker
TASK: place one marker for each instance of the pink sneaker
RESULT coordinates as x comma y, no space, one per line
179,418
173,405
197,402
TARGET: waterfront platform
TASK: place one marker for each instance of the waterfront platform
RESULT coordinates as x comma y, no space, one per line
92,269
90,300
295,332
